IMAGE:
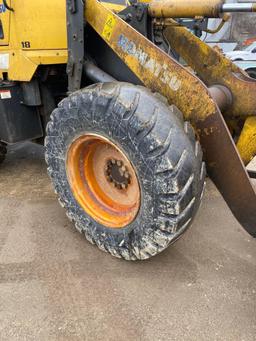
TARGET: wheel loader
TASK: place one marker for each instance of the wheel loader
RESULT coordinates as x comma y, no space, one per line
133,109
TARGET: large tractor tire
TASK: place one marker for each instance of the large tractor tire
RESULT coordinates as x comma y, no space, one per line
126,167
3,151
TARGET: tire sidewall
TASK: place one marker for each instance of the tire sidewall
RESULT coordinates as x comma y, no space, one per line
114,128
91,111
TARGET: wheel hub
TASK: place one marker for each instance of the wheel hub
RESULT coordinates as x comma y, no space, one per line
118,174
103,181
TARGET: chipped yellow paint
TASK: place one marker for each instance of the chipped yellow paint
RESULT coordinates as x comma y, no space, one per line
191,96
108,27
155,68
36,22
214,68
185,8
247,140
163,74
113,7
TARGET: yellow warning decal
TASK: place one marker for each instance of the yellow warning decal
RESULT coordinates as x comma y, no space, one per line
109,27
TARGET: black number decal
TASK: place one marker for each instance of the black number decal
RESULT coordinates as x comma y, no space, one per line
25,44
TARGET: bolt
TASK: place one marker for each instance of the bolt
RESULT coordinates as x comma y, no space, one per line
110,179
123,171
107,172
126,175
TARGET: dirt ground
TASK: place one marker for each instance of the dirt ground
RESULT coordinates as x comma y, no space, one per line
54,285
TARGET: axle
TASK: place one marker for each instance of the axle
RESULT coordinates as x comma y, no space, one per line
196,8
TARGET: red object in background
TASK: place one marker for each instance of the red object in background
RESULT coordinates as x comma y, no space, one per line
249,41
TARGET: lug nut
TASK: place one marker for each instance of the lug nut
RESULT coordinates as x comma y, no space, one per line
123,171
126,175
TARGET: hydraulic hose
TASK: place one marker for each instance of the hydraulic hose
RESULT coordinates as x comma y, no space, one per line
7,6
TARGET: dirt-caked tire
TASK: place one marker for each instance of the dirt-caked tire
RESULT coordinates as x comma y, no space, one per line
3,151
125,166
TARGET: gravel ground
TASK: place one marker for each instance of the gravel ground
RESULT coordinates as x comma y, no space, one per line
54,285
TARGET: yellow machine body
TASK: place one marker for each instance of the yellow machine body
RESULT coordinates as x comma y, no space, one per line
30,40
35,33
31,37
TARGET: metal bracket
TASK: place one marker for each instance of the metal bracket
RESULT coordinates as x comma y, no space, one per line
75,32
137,17
7,6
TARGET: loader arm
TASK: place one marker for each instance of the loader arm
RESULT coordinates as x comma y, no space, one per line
162,74
214,68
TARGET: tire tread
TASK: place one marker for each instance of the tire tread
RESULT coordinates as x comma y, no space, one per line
169,225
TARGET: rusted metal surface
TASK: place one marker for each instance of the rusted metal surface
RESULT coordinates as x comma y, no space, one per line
162,74
225,167
154,67
103,181
221,95
214,68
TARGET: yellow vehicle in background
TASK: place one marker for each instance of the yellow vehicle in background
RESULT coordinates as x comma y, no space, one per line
128,129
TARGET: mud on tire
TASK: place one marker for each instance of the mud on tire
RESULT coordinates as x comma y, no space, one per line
162,148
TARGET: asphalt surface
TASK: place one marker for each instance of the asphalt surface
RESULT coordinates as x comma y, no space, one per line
54,285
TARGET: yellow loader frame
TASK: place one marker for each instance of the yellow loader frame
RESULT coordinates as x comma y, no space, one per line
50,49
226,96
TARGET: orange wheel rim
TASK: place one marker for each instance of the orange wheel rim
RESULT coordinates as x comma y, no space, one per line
103,181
